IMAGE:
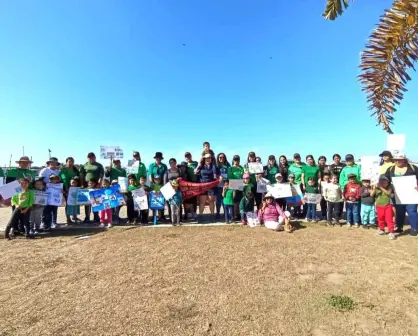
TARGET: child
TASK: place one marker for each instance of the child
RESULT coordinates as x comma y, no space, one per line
324,182
383,193
143,214
352,196
37,209
246,205
175,203
228,198
132,214
311,193
248,185
23,203
367,204
116,211
92,184
50,212
334,197
105,214
156,188
272,215
207,150
73,210
297,210
282,202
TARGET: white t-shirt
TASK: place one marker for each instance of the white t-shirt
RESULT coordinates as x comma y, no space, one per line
47,172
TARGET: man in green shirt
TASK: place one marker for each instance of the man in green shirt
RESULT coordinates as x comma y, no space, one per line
91,169
191,166
115,171
22,171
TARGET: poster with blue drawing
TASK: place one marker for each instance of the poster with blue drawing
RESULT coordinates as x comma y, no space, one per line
156,201
106,198
83,196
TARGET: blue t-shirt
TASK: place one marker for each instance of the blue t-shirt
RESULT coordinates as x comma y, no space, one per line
207,173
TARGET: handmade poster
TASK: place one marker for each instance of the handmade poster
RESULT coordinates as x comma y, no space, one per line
41,197
108,152
312,198
405,192
255,167
55,196
156,201
10,189
123,183
297,198
262,185
191,189
140,199
72,196
1,181
105,198
280,190
83,196
370,168
236,185
395,143
168,191
252,219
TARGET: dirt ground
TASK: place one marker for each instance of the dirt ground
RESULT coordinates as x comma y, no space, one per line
209,281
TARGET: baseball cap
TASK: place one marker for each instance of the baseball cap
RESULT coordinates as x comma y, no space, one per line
272,157
187,154
278,175
296,155
385,153
292,175
349,157
236,158
91,155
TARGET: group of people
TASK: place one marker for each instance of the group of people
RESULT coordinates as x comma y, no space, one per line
333,186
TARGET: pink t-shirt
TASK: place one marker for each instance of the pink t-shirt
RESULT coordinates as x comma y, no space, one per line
271,213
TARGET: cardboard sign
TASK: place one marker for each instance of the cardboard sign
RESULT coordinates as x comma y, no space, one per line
54,191
312,198
252,219
108,152
236,185
140,199
405,192
280,190
168,191
262,185
41,197
370,168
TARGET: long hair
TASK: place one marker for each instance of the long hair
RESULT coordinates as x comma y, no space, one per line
226,163
283,156
74,167
310,156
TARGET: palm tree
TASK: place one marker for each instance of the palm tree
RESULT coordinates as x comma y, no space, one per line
392,49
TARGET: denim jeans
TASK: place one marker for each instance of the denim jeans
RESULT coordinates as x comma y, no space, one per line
229,212
368,214
219,200
49,215
353,216
311,211
411,209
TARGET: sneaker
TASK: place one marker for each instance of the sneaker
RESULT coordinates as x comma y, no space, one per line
109,225
366,226
36,232
356,225
413,233
349,225
53,225
101,225
398,230
380,232
244,222
392,236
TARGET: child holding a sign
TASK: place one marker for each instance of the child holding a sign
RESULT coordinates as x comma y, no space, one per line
23,203
246,205
132,214
228,199
175,203
106,214
73,210
143,214
311,198
37,209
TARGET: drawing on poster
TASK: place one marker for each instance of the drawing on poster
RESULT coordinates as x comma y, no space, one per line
255,167
280,190
262,185
252,219
156,201
106,198
111,152
72,196
310,198
370,168
123,183
55,196
41,197
10,189
83,196
297,197
140,200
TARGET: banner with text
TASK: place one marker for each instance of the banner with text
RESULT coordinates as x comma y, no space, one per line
191,189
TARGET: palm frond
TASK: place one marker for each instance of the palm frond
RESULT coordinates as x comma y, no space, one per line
391,51
334,8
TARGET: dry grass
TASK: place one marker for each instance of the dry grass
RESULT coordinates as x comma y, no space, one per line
210,281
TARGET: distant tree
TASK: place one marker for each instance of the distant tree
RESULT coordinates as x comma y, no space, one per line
392,50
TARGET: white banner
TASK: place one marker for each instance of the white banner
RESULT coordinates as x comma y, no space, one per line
41,197
370,168
10,189
405,192
280,190
255,167
168,191
236,184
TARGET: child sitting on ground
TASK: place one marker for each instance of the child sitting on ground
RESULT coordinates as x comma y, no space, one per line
246,205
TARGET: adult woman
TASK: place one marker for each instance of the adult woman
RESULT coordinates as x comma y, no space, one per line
310,170
296,168
336,169
386,162
323,168
271,169
222,166
207,170
190,204
171,174
272,215
253,179
67,174
284,167
235,172
403,168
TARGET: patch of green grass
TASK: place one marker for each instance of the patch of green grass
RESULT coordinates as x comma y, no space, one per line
341,302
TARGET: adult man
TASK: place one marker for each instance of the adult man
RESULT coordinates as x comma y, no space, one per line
91,170
190,204
115,170
157,167
138,168
22,171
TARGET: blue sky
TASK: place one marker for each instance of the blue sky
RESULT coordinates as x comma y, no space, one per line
75,75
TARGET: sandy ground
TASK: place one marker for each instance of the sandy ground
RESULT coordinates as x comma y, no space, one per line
209,281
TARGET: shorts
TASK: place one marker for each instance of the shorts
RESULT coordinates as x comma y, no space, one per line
191,200
238,194
210,192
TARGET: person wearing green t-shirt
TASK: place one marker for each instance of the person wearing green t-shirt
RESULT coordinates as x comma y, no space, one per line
157,168
235,172
228,200
296,168
22,171
271,169
310,170
190,204
67,173
22,202
115,171
138,168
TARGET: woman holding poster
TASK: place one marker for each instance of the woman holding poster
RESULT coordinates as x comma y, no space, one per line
403,168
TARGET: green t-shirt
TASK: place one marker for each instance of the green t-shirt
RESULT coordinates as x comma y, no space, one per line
66,176
191,176
91,170
24,199
248,187
271,173
229,197
116,172
1,172
310,171
235,173
311,189
381,198
18,173
154,169
297,171
139,169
